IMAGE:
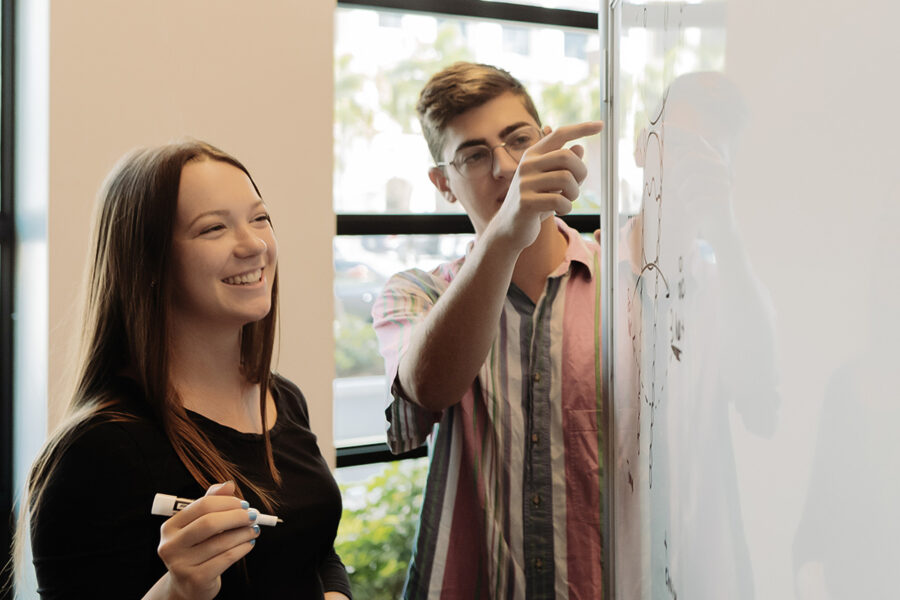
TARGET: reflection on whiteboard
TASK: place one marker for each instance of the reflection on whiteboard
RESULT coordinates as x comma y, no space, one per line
846,543
699,343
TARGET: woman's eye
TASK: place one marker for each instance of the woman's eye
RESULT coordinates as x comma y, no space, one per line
212,228
265,217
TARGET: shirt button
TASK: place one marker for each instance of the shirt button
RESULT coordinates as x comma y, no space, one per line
537,377
536,500
538,564
534,438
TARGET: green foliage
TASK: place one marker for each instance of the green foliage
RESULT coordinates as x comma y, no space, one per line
356,347
352,118
378,528
400,85
350,115
564,104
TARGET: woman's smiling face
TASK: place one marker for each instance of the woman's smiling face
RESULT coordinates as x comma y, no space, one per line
224,249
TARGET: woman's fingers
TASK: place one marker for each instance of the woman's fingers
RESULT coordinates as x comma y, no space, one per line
204,580
221,489
203,506
210,525
222,543
201,575
214,523
206,537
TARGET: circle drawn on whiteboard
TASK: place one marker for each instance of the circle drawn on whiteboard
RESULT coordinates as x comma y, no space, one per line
647,304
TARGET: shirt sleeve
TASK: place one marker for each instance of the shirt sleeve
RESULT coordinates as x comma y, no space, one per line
334,575
404,303
92,535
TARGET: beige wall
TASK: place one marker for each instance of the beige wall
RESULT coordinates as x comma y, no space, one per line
253,78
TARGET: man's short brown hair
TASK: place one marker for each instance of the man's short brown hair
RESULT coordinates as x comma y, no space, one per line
459,88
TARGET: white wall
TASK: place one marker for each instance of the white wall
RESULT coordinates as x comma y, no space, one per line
252,78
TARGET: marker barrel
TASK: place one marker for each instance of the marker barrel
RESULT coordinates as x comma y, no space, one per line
166,505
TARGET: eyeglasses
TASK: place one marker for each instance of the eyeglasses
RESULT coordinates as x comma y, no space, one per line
473,162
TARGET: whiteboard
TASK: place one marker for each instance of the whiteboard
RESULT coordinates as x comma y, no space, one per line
755,299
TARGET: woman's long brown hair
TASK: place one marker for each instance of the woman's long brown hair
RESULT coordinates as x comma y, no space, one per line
126,326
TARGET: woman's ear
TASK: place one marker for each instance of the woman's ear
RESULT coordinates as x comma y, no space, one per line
439,179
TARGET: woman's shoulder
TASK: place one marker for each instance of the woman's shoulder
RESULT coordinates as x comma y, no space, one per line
124,412
289,398
121,431
98,489
285,385
102,457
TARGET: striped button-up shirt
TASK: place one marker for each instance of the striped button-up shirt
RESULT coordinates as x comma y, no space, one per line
512,505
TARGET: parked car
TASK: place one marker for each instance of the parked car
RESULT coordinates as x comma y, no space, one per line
356,285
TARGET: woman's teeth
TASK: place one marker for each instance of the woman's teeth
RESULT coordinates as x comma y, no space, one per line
251,277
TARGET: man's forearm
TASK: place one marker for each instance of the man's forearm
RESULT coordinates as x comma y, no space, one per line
448,348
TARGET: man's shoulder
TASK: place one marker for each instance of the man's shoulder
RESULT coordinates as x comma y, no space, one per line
436,279
412,292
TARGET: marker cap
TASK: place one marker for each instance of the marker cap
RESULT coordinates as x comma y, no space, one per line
267,520
163,505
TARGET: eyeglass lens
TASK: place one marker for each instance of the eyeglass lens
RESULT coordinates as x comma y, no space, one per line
479,160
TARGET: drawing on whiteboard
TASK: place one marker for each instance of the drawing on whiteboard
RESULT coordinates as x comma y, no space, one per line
651,309
697,323
670,585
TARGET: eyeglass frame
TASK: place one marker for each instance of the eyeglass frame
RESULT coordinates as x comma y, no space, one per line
492,149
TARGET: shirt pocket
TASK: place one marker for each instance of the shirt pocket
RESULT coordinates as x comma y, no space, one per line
584,467
580,419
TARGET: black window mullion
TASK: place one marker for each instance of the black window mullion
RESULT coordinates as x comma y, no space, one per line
502,11
367,454
390,224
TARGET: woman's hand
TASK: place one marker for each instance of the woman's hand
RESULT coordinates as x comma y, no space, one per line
199,542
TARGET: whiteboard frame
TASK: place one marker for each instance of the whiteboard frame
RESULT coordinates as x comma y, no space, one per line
609,32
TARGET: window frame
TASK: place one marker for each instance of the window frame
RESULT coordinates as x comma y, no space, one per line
354,224
7,267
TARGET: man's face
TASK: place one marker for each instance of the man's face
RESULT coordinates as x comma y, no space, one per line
488,124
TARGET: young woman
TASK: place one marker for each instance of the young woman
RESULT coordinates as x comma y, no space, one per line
175,395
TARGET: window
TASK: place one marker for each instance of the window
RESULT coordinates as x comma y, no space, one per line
575,45
378,524
24,288
390,217
7,269
516,40
382,195
389,19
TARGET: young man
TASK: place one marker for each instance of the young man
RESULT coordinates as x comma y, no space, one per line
501,349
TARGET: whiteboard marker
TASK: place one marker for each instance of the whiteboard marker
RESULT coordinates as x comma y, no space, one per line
165,505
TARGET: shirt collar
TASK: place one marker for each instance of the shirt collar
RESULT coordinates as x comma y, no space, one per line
577,251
